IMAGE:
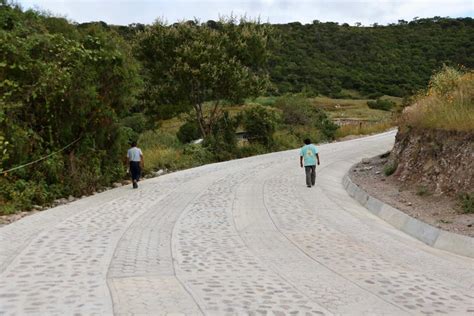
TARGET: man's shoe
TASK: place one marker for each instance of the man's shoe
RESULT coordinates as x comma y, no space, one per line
135,185
308,186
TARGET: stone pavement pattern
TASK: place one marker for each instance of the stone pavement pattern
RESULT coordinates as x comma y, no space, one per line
240,237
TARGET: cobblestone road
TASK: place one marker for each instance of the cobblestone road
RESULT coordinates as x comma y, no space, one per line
244,237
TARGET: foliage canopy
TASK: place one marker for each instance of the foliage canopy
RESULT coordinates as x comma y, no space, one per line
187,64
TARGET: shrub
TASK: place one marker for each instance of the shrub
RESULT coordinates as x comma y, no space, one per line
137,122
198,154
445,81
286,140
222,141
381,104
422,191
466,201
65,91
260,123
188,132
298,110
390,169
250,149
129,134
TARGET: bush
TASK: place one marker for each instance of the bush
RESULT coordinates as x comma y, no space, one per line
188,132
445,81
390,169
250,149
466,201
298,110
64,89
287,140
222,141
381,104
260,123
198,154
137,122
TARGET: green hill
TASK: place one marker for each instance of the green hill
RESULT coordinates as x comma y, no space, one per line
396,59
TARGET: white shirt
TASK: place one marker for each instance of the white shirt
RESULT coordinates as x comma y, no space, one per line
134,154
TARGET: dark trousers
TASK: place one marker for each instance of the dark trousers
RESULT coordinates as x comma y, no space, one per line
310,175
135,170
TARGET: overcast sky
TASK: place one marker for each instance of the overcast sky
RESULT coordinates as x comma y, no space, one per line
124,12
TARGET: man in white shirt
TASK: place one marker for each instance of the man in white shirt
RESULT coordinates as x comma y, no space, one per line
135,161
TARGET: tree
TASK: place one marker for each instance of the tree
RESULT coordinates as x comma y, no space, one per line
63,89
260,123
188,65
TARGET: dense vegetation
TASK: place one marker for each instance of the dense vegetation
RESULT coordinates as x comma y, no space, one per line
72,96
396,59
187,65
61,85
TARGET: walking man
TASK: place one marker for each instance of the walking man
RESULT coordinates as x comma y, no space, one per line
308,155
135,161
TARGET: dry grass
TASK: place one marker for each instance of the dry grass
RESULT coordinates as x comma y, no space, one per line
448,103
364,128
172,125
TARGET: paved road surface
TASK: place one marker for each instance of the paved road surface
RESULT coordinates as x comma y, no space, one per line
240,237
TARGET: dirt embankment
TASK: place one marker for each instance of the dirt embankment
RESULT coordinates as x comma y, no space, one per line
441,162
433,168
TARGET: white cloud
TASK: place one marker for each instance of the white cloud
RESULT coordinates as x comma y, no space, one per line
275,11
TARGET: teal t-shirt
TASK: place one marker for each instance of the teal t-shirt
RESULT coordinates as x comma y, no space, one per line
308,152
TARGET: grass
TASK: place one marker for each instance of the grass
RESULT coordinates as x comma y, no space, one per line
352,109
364,128
172,125
448,104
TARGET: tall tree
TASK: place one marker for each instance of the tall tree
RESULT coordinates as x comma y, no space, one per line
188,64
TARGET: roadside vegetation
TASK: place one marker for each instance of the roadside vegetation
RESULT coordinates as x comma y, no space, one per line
72,96
447,104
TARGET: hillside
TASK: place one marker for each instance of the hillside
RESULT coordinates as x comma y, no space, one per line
396,59
327,58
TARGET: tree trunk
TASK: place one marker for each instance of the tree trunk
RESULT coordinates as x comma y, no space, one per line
201,120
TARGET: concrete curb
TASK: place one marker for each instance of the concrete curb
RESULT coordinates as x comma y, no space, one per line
432,236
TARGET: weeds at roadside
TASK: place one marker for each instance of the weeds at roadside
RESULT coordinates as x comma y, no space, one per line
390,169
363,129
466,202
422,191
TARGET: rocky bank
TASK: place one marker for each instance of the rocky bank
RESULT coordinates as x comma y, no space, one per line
440,161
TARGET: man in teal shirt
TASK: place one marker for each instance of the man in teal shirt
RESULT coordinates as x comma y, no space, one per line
309,154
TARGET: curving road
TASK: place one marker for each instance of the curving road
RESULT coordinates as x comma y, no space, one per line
240,237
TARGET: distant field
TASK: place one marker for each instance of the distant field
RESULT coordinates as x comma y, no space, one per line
353,109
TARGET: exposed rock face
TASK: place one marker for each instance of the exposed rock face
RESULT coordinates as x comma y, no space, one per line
441,161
